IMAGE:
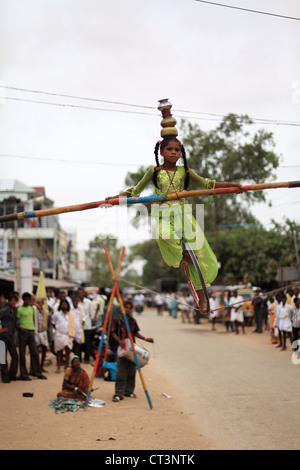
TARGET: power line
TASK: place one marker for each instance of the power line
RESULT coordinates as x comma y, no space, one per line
30,157
68,105
249,10
119,103
66,161
212,116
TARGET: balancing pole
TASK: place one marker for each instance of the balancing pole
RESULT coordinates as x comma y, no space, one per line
129,334
109,307
145,200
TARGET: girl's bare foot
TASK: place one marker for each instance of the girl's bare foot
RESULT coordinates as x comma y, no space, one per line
202,301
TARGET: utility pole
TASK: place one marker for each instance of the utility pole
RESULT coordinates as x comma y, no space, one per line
17,259
297,254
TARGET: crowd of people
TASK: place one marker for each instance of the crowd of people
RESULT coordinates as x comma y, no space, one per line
65,324
279,314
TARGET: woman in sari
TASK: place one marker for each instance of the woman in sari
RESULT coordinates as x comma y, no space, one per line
76,381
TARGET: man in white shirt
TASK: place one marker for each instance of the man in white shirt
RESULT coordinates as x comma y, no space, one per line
285,324
87,308
214,305
50,300
79,319
138,302
236,312
159,303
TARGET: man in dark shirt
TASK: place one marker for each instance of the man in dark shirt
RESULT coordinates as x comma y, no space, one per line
258,304
126,369
7,335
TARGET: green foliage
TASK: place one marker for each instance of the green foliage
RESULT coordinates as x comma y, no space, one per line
230,153
155,267
253,253
97,260
133,178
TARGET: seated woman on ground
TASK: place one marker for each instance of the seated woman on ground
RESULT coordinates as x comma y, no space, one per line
76,381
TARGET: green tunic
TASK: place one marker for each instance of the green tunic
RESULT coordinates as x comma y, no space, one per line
174,220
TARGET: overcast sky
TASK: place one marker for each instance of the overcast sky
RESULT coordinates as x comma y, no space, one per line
205,58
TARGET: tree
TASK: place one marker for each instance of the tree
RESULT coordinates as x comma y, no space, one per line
155,267
253,254
230,153
97,261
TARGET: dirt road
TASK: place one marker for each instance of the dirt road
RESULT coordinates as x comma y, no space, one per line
227,391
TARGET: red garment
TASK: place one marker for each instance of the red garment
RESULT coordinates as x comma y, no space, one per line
79,379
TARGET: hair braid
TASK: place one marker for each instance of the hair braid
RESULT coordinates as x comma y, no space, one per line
187,171
156,169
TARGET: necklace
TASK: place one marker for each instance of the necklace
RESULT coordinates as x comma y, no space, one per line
171,179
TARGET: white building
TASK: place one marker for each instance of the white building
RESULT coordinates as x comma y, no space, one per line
52,248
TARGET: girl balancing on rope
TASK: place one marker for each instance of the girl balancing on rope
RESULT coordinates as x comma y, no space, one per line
174,219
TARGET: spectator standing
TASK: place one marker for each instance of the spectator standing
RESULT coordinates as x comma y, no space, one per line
7,335
159,303
174,305
19,300
295,319
285,324
236,312
63,321
214,305
184,306
126,370
258,305
41,322
87,308
79,319
139,302
227,309
62,295
26,335
50,300
101,302
276,322
272,316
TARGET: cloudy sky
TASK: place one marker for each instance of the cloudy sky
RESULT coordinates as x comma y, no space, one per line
122,56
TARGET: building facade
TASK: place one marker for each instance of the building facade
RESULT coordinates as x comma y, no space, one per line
51,248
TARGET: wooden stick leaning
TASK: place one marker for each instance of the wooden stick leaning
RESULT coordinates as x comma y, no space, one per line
145,200
130,335
108,312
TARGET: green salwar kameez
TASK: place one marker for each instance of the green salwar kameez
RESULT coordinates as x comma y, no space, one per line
174,220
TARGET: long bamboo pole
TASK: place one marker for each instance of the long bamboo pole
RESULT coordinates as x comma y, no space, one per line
145,200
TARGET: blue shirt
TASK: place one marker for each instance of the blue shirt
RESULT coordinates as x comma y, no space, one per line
112,368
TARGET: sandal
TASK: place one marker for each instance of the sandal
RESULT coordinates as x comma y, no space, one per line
131,395
117,398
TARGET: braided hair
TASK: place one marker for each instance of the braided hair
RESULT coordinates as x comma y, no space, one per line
162,144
